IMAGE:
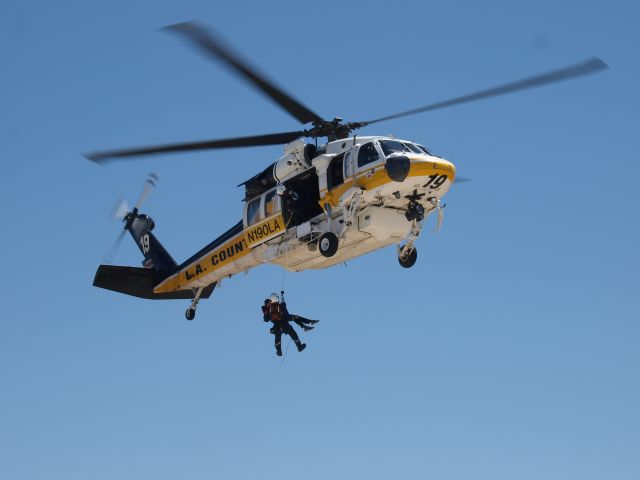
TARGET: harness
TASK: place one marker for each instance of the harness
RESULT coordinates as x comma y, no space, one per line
275,311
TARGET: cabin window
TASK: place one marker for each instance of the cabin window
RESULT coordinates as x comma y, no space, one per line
367,154
253,211
348,164
271,206
335,175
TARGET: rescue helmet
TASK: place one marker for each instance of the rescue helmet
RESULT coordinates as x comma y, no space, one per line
274,298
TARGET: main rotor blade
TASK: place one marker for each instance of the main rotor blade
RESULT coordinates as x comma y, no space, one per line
253,141
216,48
462,180
585,68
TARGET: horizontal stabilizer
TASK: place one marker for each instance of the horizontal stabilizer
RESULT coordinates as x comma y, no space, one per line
139,282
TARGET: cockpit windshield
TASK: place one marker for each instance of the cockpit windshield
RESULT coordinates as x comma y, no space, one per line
393,146
425,149
413,147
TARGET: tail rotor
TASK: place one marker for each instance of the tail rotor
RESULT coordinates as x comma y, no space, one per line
121,212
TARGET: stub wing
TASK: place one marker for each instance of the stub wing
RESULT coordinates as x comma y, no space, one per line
139,282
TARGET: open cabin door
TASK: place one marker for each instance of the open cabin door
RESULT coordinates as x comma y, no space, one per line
300,199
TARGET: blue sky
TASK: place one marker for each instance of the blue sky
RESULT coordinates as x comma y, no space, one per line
509,351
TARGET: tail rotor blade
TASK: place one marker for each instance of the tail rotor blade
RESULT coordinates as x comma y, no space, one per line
110,255
120,209
149,185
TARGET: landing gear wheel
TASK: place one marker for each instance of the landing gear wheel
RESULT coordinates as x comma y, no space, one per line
328,244
190,314
409,260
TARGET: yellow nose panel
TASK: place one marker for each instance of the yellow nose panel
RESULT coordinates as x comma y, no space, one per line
377,177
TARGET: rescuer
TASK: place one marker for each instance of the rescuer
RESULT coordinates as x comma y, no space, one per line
275,310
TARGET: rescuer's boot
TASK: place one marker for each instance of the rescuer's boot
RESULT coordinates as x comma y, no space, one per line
278,351
301,346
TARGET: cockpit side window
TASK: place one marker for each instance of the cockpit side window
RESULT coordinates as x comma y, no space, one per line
253,211
367,154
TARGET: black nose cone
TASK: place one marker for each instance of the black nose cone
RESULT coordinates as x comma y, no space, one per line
397,167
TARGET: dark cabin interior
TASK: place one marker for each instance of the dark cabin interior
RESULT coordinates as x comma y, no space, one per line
306,206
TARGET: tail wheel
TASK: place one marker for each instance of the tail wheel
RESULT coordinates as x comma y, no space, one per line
408,260
190,314
328,244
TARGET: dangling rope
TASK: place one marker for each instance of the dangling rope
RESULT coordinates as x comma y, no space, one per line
286,350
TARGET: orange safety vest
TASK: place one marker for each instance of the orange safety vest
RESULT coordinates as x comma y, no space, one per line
275,311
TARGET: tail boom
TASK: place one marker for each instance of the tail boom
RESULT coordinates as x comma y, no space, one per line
139,282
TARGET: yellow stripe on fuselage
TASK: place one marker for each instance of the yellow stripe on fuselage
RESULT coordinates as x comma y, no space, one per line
377,176
231,250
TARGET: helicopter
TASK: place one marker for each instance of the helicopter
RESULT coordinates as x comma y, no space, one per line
314,207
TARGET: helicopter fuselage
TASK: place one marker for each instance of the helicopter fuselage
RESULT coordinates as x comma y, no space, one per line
369,192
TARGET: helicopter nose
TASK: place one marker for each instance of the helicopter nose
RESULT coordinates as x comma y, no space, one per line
397,167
